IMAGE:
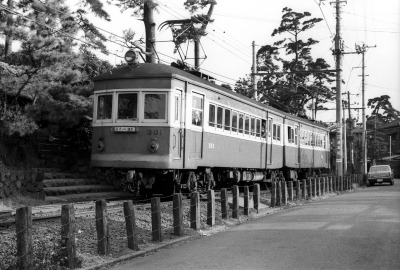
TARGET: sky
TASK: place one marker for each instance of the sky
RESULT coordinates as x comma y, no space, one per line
237,24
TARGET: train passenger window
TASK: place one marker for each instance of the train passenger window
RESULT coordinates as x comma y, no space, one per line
197,110
258,128
252,126
220,115
227,119
234,121
155,106
274,132
211,116
312,139
241,122
104,107
247,125
264,128
127,106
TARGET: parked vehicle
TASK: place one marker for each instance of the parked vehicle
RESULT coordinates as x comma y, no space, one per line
380,174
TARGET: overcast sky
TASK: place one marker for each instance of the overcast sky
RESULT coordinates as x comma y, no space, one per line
237,23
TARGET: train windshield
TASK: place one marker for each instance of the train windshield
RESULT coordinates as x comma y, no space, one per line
155,106
127,106
104,106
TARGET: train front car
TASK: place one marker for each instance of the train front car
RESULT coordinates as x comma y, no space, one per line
137,127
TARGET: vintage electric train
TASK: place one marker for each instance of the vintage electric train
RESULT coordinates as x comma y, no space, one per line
168,130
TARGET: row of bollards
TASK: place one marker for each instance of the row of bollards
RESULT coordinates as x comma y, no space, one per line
281,193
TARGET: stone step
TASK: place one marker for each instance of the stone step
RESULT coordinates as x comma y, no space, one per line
92,196
63,175
57,191
61,182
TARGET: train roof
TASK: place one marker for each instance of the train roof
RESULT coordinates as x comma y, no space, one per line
148,70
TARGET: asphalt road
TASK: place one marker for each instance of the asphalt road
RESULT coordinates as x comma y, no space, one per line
356,230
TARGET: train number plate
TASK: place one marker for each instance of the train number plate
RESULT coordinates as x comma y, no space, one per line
125,129
379,180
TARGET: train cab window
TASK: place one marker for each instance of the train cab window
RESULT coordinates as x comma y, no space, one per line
234,121
104,106
258,128
220,115
227,119
252,126
247,125
241,123
127,106
211,116
155,106
197,110
312,139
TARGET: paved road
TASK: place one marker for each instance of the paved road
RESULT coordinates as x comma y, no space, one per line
357,230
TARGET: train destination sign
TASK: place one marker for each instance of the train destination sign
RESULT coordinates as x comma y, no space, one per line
125,129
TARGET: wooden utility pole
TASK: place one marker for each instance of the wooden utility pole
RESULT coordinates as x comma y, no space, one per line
150,27
338,54
344,142
254,71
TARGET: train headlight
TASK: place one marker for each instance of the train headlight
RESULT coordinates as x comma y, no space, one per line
131,57
100,146
153,146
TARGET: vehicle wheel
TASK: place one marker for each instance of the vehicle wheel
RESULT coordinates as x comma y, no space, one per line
392,183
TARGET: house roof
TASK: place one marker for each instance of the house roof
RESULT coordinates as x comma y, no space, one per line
395,123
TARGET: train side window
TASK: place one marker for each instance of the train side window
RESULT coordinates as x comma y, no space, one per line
312,139
274,131
104,106
241,123
296,134
227,119
220,116
197,110
258,128
324,142
155,106
253,126
247,124
234,121
211,116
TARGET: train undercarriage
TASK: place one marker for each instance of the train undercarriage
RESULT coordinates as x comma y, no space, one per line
148,183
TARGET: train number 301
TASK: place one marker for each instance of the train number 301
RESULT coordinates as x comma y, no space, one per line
154,132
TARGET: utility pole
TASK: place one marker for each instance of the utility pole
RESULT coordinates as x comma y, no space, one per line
362,50
338,54
351,136
254,71
344,142
150,28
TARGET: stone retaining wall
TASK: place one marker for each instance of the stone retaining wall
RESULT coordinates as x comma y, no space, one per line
24,182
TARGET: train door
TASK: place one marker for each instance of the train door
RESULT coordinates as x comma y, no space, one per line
178,130
197,126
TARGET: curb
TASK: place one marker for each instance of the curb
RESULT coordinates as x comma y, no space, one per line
141,253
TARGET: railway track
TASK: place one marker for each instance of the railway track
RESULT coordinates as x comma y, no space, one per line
87,209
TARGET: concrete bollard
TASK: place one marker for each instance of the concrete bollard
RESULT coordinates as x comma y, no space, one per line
284,193
224,203
278,193
304,189
290,190
256,196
